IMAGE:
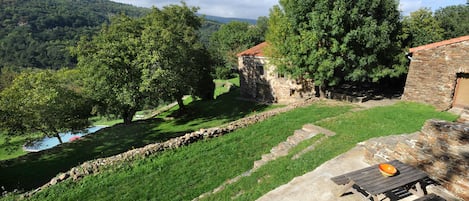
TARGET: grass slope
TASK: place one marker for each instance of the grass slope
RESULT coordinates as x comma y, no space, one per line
35,169
186,173
351,128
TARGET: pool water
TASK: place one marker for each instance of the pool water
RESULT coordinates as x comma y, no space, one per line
49,142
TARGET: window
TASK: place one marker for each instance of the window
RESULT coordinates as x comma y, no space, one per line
260,69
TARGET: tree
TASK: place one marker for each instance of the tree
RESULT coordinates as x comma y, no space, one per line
111,70
7,75
43,101
335,41
136,61
175,60
231,39
454,20
421,28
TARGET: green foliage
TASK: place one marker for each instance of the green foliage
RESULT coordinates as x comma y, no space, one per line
454,20
138,61
43,101
7,75
111,72
38,33
231,39
175,62
223,72
421,28
333,41
207,29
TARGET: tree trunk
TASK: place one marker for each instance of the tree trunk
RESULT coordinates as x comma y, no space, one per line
128,116
320,91
181,104
58,137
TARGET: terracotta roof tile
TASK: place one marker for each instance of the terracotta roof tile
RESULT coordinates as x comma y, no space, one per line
254,51
439,44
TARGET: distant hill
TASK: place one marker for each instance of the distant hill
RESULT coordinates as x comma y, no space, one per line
37,33
225,20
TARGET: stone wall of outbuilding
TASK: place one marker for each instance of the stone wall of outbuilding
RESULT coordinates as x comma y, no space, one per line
260,82
433,74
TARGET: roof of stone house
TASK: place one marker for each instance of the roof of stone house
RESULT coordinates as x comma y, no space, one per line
257,50
439,44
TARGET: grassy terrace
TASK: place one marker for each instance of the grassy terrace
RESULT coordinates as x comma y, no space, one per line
28,171
185,173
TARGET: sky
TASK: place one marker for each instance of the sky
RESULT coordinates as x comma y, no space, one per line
252,9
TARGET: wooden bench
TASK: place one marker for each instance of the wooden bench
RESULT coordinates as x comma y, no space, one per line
430,197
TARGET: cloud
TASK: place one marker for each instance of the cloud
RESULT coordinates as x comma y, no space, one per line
408,6
224,8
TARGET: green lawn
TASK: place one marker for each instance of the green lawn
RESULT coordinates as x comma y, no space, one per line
185,173
34,169
11,146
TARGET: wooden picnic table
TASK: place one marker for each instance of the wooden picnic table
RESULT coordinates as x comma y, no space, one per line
370,183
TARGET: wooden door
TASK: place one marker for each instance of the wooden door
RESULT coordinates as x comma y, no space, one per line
461,95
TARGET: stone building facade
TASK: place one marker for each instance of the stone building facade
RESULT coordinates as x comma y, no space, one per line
439,74
260,82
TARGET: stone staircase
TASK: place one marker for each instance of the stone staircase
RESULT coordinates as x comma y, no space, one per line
308,131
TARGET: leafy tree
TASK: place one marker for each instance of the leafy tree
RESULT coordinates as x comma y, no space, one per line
174,59
454,20
43,101
231,39
7,75
421,28
136,61
111,71
333,41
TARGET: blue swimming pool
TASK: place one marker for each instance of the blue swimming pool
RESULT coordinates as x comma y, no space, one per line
49,142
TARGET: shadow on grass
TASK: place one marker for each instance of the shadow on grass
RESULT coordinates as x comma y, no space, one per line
227,107
35,169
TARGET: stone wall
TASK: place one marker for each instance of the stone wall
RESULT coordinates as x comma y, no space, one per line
441,149
433,72
95,166
259,81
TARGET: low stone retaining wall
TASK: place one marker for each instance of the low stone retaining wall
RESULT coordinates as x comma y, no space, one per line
441,149
97,165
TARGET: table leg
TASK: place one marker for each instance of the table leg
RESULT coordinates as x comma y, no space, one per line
418,190
346,188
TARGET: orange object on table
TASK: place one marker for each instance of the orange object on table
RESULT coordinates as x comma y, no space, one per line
387,170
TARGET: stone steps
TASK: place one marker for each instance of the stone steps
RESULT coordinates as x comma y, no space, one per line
308,131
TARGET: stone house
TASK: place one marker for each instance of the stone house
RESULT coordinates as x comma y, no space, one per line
439,74
260,82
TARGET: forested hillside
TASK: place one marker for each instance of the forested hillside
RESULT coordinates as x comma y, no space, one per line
38,33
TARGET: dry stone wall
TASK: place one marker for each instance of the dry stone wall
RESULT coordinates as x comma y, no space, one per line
441,149
95,166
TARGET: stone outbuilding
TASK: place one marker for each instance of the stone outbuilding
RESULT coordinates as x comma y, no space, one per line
439,74
260,82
